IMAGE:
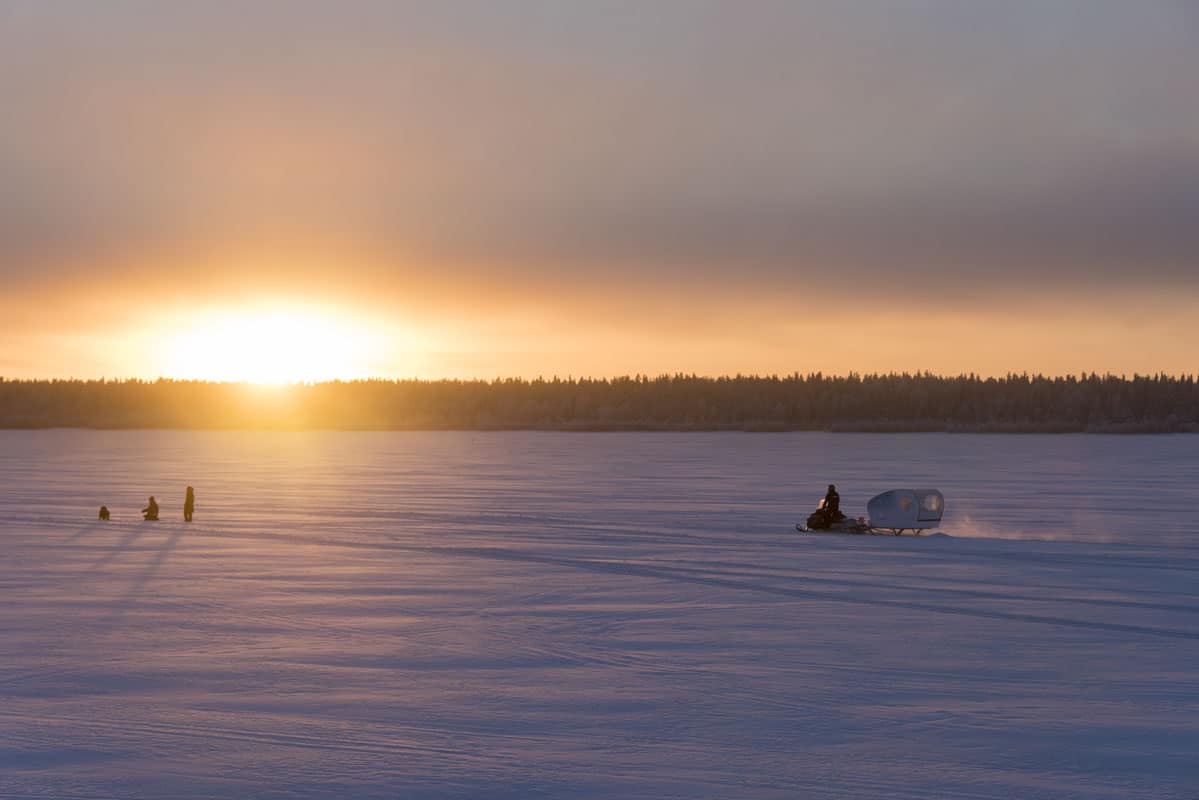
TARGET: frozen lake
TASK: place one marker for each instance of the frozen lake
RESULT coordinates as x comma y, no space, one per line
595,615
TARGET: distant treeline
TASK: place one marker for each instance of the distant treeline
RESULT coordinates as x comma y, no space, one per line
920,402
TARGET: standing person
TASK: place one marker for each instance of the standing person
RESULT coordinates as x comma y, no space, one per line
104,513
150,512
189,504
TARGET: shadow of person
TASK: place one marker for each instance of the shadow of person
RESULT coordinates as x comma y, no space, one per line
122,546
84,531
128,601
151,570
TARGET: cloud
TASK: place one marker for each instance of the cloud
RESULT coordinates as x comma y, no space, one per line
701,149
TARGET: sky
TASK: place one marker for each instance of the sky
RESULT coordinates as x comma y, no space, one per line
302,190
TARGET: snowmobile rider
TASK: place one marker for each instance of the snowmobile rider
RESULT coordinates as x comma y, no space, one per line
150,512
832,504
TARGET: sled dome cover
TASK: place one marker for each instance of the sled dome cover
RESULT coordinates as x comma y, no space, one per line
906,509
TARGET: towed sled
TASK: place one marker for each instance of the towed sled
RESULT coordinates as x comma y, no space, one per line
891,512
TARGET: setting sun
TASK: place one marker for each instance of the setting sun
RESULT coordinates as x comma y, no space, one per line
271,346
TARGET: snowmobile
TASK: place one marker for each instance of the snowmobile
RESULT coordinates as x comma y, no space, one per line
891,512
825,519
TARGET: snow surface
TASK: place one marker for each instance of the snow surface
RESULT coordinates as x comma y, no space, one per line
527,615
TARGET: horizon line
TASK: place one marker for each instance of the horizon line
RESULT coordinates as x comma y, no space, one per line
635,377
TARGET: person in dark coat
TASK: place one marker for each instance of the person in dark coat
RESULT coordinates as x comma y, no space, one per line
189,504
104,513
832,503
150,512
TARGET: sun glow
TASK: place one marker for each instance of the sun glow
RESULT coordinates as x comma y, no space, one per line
273,346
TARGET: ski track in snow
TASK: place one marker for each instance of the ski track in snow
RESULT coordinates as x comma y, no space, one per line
525,615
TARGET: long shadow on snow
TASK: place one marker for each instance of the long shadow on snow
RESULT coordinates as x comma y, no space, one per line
121,547
129,600
85,530
137,588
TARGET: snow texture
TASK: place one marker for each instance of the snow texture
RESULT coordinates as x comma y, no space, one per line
522,615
